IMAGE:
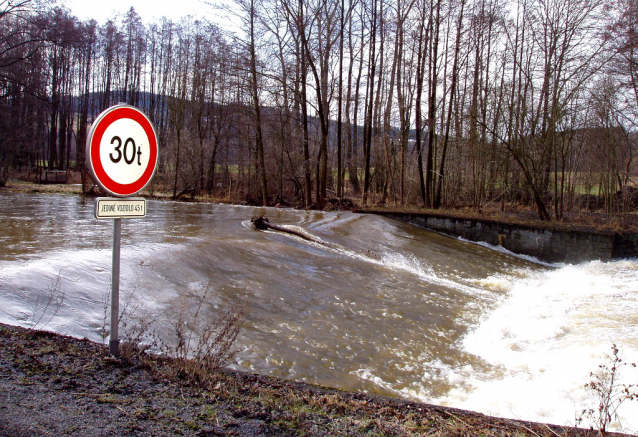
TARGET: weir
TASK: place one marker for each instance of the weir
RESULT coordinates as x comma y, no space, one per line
386,307
547,243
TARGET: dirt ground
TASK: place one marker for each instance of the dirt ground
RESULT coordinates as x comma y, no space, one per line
62,386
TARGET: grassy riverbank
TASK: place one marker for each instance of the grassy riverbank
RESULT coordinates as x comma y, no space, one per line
594,221
57,385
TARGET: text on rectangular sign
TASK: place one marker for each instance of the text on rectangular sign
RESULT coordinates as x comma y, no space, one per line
111,207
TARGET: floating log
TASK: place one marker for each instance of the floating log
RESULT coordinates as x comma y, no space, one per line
262,223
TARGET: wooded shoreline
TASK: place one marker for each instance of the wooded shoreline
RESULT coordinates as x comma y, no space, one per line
444,104
584,221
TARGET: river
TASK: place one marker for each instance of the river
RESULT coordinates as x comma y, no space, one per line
389,308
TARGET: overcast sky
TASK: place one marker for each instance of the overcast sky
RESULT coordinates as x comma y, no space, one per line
149,10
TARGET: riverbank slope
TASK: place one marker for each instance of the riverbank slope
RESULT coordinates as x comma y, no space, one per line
56,385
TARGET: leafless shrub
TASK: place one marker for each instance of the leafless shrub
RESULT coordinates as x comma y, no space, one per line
135,327
46,307
203,345
608,392
137,336
104,331
199,344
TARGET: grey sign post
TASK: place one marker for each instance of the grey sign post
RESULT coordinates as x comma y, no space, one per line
114,342
122,155
117,209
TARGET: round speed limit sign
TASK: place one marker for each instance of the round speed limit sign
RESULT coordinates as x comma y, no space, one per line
121,150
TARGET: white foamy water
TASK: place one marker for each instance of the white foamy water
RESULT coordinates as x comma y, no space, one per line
26,299
84,278
551,330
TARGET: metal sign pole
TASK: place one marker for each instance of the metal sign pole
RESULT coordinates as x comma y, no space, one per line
116,133
114,343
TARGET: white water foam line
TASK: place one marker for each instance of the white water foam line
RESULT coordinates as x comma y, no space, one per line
508,252
84,280
552,330
391,260
411,264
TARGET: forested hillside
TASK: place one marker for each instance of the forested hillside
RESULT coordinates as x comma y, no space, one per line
436,103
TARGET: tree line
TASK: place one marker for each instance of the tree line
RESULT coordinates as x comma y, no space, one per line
437,103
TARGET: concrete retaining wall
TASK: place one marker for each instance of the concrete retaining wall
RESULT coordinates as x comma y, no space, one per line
552,245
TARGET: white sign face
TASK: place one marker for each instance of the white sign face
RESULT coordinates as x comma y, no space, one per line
113,207
122,151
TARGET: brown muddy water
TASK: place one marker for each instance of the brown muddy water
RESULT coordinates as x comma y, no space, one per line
388,308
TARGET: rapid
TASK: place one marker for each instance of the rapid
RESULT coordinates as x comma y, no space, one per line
387,308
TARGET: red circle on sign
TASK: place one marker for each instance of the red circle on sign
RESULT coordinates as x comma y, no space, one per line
107,118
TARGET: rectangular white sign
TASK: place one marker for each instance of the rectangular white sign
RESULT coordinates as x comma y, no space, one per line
113,207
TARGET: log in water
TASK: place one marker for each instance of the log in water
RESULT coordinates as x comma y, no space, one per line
383,306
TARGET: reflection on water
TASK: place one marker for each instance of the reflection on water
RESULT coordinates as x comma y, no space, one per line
389,308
